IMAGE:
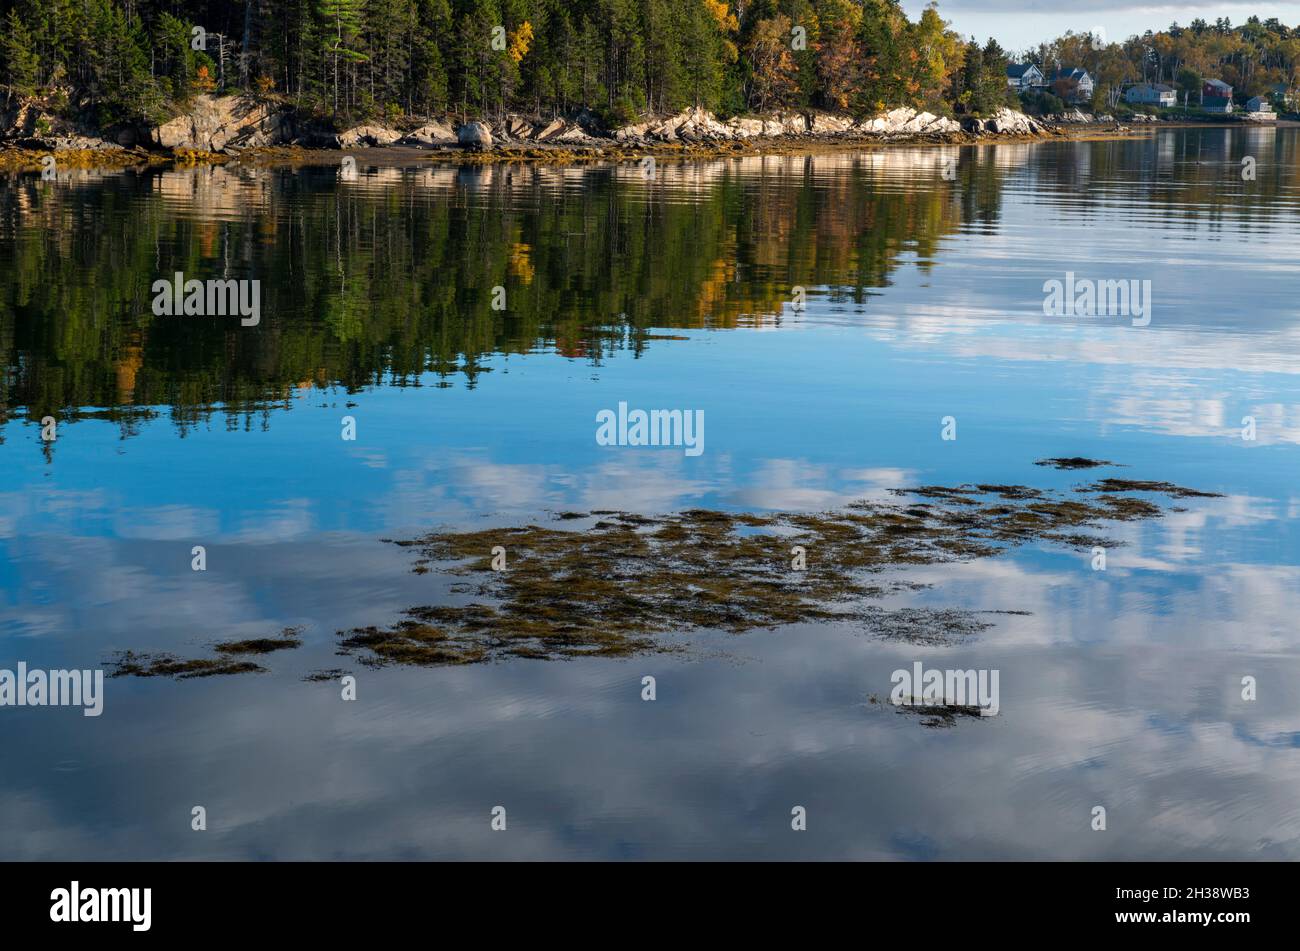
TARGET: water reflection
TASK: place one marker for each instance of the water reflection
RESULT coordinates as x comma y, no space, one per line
1120,688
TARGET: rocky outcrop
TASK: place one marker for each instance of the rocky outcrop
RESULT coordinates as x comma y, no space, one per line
474,135
550,130
233,123
1005,122
433,133
28,124
695,125
1079,117
366,136
215,123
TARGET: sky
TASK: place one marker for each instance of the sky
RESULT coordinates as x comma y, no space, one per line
1020,24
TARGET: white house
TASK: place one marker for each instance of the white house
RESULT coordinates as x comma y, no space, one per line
1152,94
1023,76
1077,84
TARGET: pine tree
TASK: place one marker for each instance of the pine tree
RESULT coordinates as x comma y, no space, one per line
341,20
993,89
428,84
18,58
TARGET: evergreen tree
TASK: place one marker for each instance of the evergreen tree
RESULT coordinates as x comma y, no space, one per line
341,34
993,88
18,61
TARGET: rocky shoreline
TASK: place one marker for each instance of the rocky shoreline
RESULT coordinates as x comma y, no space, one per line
230,128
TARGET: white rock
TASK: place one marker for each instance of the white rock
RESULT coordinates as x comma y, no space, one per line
474,135
825,124
367,135
551,129
213,122
435,133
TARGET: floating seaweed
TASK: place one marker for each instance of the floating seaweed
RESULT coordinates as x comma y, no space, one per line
132,664
625,583
1074,462
940,715
619,586
321,676
289,638
1137,485
933,715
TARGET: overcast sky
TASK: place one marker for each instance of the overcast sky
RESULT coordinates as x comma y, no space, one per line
1018,24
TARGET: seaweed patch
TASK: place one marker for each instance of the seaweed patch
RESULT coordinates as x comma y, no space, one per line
162,664
1074,462
619,586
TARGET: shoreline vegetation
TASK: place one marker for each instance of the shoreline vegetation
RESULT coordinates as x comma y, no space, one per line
619,584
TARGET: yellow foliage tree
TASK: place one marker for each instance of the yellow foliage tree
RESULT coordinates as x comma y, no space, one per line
521,41
728,25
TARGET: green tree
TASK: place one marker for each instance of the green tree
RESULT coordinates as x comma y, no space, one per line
18,58
341,34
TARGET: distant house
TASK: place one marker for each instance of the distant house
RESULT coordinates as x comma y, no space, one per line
1152,94
1260,105
1282,95
1073,82
1023,76
1216,96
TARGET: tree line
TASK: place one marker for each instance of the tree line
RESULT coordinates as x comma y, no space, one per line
1253,58
141,60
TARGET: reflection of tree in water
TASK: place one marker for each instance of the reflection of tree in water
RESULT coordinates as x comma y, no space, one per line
391,278
1197,172
384,282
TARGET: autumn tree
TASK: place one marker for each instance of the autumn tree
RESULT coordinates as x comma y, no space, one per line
773,71
839,53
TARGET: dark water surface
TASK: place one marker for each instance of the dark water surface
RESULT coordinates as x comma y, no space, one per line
925,296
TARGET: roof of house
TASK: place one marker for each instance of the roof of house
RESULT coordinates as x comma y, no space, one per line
1218,84
1017,70
1073,72
1155,87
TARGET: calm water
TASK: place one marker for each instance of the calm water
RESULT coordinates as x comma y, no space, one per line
924,300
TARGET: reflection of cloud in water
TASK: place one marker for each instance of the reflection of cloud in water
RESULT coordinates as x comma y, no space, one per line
461,488
183,522
790,484
1120,689
414,766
